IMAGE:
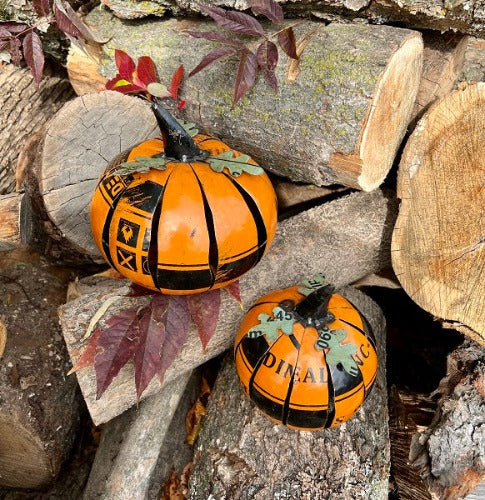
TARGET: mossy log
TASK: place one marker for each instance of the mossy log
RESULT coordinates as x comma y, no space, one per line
438,245
39,410
24,109
330,125
464,16
345,239
242,454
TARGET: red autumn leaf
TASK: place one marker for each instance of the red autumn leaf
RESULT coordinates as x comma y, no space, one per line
267,56
176,81
204,311
4,33
14,49
13,26
139,291
125,64
215,36
234,290
87,357
68,22
246,75
211,57
287,42
177,327
116,346
268,8
237,22
41,7
145,73
153,332
34,55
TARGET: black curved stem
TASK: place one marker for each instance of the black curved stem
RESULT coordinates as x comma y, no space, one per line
314,308
178,143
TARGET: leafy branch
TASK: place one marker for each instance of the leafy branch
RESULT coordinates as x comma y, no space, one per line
22,41
151,336
260,55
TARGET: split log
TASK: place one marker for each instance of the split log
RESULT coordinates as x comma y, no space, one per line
438,244
458,15
345,239
443,61
10,217
439,453
474,61
24,109
330,125
39,411
242,454
134,443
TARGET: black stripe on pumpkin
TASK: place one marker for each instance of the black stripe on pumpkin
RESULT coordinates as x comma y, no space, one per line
213,255
286,408
331,398
256,214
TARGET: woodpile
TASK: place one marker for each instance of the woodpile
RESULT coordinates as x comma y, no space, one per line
374,143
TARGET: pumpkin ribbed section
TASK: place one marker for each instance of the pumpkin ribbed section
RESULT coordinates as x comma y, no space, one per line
185,229
295,384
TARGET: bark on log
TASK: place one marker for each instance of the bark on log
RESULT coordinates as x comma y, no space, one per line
443,61
438,244
442,456
241,454
467,16
345,239
23,110
132,445
474,64
39,409
340,132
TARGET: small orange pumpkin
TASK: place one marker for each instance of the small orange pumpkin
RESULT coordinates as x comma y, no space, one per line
306,356
184,228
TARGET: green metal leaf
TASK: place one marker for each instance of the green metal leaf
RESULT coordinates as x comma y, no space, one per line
312,284
337,354
142,164
270,326
235,165
190,128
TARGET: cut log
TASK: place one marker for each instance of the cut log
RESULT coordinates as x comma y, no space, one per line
457,15
10,217
331,125
345,239
438,448
39,411
443,61
474,64
242,454
24,109
134,443
438,244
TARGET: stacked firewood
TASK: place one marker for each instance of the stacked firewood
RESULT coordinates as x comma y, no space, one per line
365,104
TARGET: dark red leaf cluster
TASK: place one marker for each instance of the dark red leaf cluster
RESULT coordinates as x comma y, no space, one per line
265,56
136,79
151,336
22,39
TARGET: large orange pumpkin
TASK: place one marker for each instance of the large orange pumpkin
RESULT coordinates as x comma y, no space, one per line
186,228
307,360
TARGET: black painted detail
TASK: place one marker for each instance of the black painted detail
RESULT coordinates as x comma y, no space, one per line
286,409
308,419
128,232
254,349
144,196
258,218
231,270
342,381
209,218
172,279
331,400
126,259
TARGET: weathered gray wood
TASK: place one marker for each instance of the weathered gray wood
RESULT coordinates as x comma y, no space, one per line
474,61
331,125
449,454
79,142
242,454
465,16
39,410
132,445
345,239
23,110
